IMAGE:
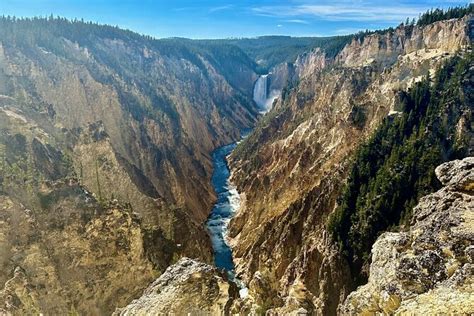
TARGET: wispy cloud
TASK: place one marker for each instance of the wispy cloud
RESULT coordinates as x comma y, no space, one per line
342,11
221,8
298,21
205,9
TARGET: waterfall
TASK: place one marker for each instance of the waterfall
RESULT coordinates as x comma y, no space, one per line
260,91
261,95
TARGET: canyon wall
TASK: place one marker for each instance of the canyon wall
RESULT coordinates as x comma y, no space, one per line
426,269
291,169
105,142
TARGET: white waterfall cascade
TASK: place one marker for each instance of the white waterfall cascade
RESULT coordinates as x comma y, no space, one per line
262,96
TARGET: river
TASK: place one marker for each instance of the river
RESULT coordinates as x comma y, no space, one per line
224,209
228,199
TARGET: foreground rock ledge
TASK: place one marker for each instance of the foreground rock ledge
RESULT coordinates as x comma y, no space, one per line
188,287
428,270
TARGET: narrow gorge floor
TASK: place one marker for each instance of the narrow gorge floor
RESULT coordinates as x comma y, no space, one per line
224,208
228,201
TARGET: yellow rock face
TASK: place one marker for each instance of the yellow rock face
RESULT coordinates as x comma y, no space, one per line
185,288
74,265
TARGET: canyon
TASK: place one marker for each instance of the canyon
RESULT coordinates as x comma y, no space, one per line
142,176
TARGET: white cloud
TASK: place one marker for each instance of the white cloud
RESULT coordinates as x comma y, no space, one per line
342,11
298,21
279,25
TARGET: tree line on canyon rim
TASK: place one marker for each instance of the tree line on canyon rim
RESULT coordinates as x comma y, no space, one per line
431,16
261,53
395,167
48,32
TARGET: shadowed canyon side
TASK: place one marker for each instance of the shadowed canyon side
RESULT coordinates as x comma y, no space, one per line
105,145
291,170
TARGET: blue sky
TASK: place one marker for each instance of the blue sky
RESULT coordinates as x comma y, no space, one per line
223,18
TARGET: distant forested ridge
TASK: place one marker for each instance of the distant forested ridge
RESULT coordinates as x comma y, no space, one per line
261,53
269,51
49,33
396,165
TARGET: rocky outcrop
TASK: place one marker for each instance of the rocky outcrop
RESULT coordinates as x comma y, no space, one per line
185,288
385,49
18,297
428,269
290,169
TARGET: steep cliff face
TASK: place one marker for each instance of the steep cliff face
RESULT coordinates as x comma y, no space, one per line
61,250
82,258
385,49
429,268
91,114
145,100
291,170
